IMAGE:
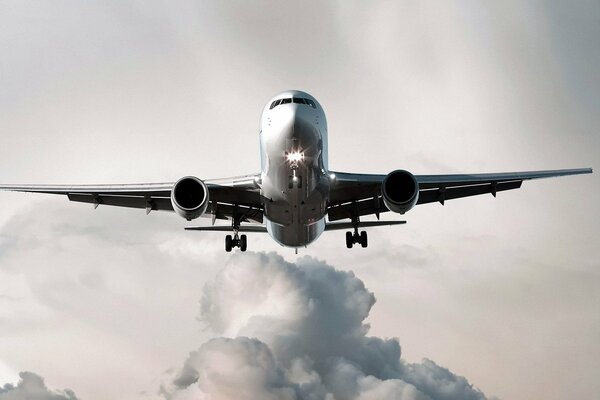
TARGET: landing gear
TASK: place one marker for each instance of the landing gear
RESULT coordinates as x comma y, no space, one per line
363,239
240,241
243,243
356,238
228,243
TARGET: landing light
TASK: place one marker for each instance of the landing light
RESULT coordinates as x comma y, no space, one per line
295,157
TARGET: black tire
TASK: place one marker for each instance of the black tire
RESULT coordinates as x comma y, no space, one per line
243,242
228,243
363,239
349,240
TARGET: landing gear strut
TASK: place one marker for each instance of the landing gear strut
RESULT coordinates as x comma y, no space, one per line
355,237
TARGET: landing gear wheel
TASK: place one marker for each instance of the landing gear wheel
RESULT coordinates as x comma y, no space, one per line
243,242
363,239
228,243
349,240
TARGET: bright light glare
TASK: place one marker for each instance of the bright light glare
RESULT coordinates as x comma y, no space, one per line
295,157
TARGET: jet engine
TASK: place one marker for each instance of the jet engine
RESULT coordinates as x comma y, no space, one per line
189,197
400,191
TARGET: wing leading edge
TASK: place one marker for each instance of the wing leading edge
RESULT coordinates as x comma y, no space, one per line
360,194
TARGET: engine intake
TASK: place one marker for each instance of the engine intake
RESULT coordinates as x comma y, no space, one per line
400,191
189,197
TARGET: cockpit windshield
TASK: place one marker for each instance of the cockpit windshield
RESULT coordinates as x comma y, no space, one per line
296,100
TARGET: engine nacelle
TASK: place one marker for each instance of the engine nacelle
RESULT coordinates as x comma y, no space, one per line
189,197
400,191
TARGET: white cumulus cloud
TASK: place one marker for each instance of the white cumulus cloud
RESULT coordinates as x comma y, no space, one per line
298,331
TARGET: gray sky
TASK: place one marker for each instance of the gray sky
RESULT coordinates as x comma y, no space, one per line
504,292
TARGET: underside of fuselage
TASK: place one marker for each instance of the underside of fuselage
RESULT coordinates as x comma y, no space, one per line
294,179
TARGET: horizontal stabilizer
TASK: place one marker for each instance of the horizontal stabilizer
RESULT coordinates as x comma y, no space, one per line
260,229
334,226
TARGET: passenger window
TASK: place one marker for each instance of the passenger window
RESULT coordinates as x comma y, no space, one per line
285,101
298,100
311,103
275,104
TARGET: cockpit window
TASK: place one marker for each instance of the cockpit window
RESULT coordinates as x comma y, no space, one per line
274,104
297,100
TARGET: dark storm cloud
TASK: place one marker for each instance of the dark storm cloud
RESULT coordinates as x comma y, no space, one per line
298,331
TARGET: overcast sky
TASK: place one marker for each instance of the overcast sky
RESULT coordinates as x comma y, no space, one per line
502,291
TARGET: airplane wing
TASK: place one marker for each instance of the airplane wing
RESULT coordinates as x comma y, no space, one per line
226,196
360,194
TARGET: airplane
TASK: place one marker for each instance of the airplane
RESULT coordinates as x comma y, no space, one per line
295,197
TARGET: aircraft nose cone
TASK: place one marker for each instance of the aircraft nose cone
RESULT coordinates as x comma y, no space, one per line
288,113
296,123
293,128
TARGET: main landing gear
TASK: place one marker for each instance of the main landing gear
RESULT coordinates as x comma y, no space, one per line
355,237
236,241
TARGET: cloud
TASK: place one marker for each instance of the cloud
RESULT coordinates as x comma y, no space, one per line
32,387
298,331
432,87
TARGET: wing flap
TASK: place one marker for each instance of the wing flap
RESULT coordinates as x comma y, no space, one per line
225,211
357,208
443,194
235,195
147,202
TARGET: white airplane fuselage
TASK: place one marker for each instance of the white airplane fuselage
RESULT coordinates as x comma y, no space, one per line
294,175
